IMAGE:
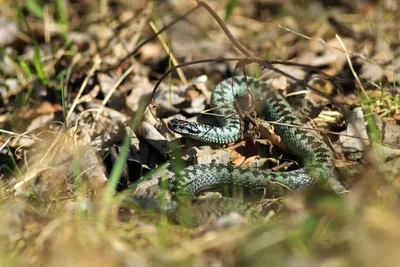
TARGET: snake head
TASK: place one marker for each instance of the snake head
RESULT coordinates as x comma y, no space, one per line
183,127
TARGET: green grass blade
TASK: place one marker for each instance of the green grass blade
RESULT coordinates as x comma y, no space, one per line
63,19
119,164
64,105
35,8
24,66
371,123
230,6
39,66
14,166
37,61
62,12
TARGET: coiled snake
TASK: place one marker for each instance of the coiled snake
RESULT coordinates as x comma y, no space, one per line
317,157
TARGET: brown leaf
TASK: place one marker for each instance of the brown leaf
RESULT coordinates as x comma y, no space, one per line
43,108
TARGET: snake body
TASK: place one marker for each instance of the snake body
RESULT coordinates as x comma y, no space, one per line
318,159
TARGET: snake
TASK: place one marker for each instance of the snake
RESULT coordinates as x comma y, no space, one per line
317,158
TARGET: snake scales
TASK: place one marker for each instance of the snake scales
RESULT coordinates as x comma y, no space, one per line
317,157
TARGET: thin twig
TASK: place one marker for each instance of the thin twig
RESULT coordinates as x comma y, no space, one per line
266,64
151,38
95,66
113,89
326,132
351,67
224,28
354,54
169,52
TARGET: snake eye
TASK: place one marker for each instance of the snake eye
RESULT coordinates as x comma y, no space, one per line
173,124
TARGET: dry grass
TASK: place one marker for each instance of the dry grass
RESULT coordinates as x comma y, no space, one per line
57,202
